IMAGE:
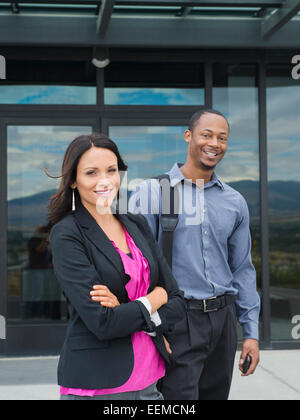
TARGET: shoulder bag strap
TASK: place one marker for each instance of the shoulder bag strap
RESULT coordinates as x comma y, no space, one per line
169,214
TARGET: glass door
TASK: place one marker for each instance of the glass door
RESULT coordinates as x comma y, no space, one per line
34,297
33,292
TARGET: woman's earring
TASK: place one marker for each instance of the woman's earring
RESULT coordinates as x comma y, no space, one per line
73,200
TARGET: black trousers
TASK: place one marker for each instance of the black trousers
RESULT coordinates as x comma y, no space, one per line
203,351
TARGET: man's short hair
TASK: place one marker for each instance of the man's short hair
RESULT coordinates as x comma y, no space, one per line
197,115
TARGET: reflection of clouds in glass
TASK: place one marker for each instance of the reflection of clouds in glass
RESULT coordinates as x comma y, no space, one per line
137,133
75,95
32,148
237,169
149,151
32,185
151,155
240,106
11,150
282,148
22,162
147,140
54,138
283,102
283,168
153,96
283,112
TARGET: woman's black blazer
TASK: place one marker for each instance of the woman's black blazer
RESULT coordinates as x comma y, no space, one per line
97,352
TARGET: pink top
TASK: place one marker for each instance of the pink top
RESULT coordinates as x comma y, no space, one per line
149,366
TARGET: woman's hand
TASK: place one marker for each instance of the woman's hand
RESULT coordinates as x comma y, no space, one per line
103,295
157,298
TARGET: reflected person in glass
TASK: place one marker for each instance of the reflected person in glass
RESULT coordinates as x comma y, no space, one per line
122,297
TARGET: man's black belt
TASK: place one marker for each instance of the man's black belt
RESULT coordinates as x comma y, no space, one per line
212,304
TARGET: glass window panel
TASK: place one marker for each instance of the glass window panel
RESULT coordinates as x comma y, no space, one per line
232,90
235,94
149,150
42,95
153,96
154,84
33,292
283,118
49,82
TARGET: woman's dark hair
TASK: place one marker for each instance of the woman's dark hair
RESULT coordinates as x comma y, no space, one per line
60,203
197,115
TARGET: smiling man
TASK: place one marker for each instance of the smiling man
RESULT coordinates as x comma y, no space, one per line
212,265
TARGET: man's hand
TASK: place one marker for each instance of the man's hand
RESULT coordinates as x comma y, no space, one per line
250,347
103,295
168,348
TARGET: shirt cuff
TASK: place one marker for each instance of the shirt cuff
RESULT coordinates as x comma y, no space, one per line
155,318
146,303
251,331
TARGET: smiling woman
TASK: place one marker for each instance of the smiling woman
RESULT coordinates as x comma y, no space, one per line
97,186
115,278
81,183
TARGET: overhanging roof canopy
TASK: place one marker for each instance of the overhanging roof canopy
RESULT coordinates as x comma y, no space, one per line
152,23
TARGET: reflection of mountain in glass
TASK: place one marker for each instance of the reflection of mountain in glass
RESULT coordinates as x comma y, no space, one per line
29,211
284,199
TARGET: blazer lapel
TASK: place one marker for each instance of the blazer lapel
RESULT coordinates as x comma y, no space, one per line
96,235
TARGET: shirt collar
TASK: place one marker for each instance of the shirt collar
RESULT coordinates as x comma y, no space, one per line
215,181
177,176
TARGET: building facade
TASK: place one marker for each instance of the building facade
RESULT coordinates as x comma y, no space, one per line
156,78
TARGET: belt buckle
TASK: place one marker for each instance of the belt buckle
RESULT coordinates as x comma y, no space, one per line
205,305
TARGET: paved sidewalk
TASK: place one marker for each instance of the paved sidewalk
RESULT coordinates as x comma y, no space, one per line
276,378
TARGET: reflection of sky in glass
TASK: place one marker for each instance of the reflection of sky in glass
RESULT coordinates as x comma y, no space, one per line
32,148
153,96
149,151
283,123
71,95
240,106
